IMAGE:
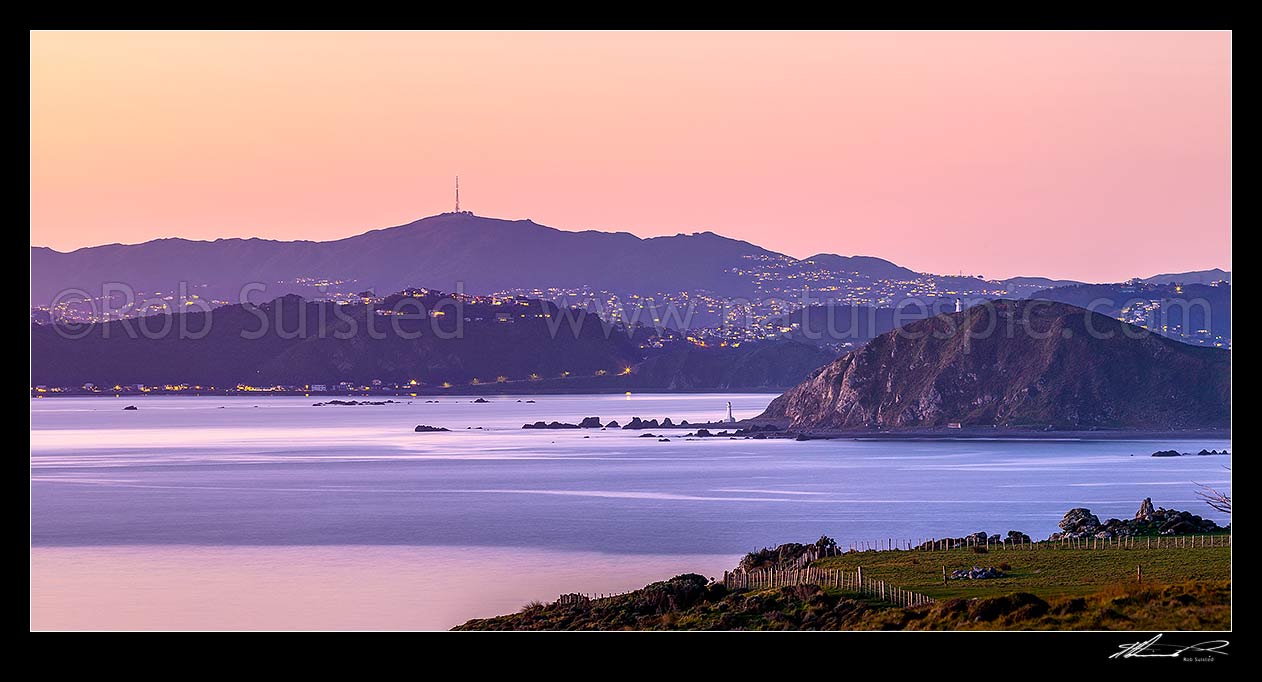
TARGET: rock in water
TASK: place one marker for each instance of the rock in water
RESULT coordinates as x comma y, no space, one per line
1145,510
130,407
590,423
549,425
424,428
481,400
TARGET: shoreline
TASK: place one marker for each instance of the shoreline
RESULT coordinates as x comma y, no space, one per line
1023,435
427,391
966,433
927,434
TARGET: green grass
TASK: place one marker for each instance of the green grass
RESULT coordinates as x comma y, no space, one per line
1046,572
1051,588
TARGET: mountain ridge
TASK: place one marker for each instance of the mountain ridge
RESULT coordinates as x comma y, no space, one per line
450,251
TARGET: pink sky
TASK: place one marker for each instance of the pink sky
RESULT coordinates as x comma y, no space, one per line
1089,155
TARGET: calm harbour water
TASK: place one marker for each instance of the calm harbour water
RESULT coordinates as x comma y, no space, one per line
269,513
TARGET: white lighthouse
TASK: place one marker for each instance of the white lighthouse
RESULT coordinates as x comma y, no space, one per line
958,306
730,418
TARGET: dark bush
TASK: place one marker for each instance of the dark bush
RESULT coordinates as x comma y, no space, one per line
1075,605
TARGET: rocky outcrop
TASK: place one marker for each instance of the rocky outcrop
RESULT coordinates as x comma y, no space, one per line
1081,523
549,425
481,400
1017,537
130,407
1176,453
589,423
706,433
637,423
978,539
1025,364
1146,510
790,554
977,573
425,428
354,402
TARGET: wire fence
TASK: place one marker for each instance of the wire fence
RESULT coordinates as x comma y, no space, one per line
850,581
799,571
1025,544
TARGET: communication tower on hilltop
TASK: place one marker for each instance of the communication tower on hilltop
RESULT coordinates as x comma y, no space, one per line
458,211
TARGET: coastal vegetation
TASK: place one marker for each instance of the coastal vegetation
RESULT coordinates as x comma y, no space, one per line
1182,588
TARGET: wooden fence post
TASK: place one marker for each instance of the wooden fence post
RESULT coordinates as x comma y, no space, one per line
1139,573
944,576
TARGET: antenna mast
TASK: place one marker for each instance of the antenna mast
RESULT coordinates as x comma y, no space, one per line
457,194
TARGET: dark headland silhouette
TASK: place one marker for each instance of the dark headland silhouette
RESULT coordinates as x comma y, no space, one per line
509,347
1006,363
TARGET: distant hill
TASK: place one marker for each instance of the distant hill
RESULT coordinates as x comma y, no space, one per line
1044,282
1193,277
835,326
458,252
1024,287
291,341
870,266
1016,363
1194,313
450,251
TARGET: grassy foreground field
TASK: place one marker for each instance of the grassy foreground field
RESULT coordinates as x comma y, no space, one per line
1043,589
1046,572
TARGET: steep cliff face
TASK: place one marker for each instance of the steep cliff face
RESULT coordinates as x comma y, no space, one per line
1016,363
